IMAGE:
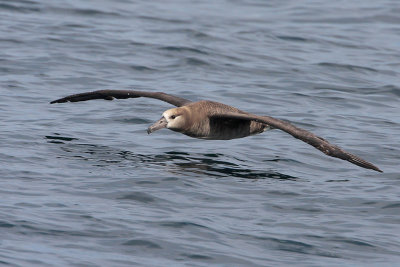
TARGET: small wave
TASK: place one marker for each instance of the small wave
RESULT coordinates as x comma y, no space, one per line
293,38
6,225
181,224
195,62
169,20
346,66
83,11
75,25
142,243
22,9
134,121
295,246
138,196
389,89
392,206
9,40
93,12
57,139
352,242
141,68
196,256
183,49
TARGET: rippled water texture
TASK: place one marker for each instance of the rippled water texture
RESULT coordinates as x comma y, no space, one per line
82,184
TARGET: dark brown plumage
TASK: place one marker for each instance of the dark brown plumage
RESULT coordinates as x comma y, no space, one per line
213,120
122,94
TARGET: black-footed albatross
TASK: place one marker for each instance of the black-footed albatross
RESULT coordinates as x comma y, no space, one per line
216,121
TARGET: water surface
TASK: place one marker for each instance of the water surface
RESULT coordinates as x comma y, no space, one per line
84,185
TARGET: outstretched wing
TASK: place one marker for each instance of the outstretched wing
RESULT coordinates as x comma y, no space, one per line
306,136
123,94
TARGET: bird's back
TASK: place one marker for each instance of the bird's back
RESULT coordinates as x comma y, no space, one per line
207,127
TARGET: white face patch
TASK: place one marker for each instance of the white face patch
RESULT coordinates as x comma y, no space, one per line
165,115
174,118
169,115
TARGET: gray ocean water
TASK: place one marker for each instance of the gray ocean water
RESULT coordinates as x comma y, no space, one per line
82,184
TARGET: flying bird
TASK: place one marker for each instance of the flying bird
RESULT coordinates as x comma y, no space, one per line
216,121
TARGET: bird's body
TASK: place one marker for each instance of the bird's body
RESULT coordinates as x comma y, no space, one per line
216,121
203,125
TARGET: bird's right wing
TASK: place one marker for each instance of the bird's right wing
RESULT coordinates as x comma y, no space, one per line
306,136
123,94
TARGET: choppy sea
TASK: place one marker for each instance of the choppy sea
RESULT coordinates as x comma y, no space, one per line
82,184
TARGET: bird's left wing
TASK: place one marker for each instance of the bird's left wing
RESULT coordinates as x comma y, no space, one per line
306,136
123,94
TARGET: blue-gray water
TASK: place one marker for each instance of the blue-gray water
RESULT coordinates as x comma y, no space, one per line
82,184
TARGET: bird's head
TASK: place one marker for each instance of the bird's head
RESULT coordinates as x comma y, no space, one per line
173,119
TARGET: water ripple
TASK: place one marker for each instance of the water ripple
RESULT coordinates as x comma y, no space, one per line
82,184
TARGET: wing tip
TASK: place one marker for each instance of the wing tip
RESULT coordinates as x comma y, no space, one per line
376,169
363,163
61,100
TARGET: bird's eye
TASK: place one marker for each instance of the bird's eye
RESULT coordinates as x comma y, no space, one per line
173,117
